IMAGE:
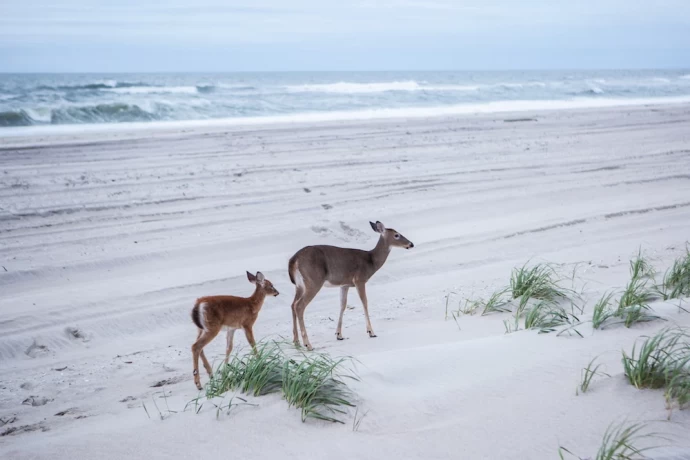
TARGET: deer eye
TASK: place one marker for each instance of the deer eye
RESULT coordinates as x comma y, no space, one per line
396,236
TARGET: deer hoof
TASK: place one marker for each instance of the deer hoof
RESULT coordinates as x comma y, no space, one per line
339,337
371,334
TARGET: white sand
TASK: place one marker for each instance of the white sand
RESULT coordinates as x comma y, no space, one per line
116,234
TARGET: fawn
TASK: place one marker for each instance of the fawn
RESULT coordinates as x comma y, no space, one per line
315,266
211,314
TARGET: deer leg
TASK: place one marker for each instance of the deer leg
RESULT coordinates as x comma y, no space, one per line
250,337
309,294
361,290
207,366
204,339
343,305
228,339
295,337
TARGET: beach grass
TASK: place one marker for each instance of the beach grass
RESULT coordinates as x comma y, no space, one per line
497,302
641,267
537,281
588,374
314,383
676,281
662,361
621,441
602,311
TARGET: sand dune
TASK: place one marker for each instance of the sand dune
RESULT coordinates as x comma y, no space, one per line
107,239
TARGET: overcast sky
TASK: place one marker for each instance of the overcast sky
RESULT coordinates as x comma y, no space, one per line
237,35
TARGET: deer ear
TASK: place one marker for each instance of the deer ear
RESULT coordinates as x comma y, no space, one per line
251,278
377,227
260,278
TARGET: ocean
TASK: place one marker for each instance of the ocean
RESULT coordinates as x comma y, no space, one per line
86,99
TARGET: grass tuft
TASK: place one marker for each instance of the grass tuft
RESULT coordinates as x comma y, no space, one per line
315,385
621,442
676,282
497,303
602,311
632,306
662,361
257,373
588,374
636,292
547,316
538,282
640,267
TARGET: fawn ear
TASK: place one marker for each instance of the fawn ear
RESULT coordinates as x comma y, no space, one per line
251,278
260,278
377,227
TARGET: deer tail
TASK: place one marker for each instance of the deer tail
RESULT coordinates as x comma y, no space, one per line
196,314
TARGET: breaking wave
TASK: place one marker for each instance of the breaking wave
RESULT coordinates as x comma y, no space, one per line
100,113
153,89
348,87
15,118
93,99
344,87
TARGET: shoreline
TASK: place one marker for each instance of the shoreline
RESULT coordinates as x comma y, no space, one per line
10,134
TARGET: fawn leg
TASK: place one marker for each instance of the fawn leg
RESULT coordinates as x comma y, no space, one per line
204,339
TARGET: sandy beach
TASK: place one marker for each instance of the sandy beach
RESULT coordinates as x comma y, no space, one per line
107,238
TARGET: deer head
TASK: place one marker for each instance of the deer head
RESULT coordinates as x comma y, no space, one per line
262,284
392,237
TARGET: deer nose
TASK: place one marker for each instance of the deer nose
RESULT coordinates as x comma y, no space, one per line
411,245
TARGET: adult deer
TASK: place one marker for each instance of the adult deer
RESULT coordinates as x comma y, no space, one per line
211,314
312,267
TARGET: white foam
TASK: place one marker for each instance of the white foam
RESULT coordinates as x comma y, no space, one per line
353,88
350,87
111,83
595,89
42,115
537,84
154,89
369,114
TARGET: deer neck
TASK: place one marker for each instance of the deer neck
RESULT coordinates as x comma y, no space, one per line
256,300
380,253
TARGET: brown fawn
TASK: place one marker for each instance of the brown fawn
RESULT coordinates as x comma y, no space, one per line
313,267
211,314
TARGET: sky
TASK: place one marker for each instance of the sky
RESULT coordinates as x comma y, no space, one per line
293,35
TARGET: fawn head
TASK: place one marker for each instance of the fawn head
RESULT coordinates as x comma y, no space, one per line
392,237
262,283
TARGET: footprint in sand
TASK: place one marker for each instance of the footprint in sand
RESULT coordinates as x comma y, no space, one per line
170,381
36,401
75,333
13,430
37,350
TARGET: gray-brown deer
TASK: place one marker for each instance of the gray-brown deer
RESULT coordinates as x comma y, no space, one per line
312,267
213,313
